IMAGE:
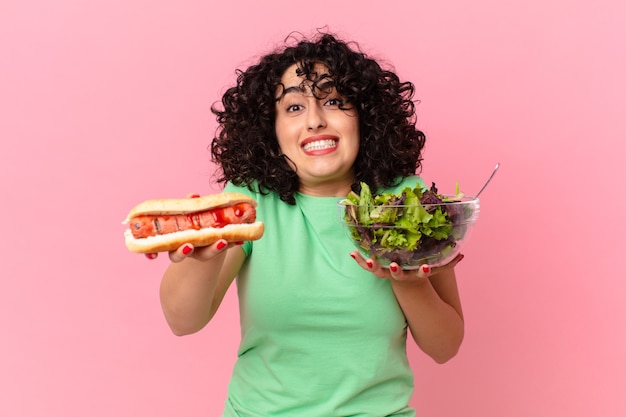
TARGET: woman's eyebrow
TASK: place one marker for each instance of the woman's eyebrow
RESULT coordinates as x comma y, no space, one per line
304,88
299,89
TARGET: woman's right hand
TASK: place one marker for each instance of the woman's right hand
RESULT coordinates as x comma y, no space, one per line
204,253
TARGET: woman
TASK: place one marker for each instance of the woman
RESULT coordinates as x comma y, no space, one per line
321,334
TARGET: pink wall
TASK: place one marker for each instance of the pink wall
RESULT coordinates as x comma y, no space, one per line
106,103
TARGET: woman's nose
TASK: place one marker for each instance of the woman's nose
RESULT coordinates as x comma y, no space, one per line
315,118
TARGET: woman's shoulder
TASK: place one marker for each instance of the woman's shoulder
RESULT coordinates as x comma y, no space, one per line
252,191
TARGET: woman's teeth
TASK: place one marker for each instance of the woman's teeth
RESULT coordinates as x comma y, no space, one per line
319,145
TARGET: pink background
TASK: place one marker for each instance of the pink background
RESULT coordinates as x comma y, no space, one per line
105,103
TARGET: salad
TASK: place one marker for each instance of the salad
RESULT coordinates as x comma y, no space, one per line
415,226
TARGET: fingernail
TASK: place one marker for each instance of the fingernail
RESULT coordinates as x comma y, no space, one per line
393,268
370,263
352,255
221,245
187,250
425,269
461,258
239,243
195,195
151,255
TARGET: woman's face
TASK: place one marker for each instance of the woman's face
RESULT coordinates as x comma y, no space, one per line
320,139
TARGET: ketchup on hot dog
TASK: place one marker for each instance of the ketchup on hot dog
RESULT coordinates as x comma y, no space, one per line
153,225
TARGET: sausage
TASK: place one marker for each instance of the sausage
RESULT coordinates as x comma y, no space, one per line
152,225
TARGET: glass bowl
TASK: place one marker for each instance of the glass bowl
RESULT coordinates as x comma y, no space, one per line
412,235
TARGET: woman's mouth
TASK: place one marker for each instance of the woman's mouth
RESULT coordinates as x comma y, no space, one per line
319,145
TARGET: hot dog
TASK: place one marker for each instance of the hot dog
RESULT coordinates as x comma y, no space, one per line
166,224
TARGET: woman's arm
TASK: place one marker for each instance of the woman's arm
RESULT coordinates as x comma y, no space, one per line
195,284
430,302
432,308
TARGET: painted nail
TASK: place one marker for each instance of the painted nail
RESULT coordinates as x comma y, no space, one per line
239,243
151,255
425,269
393,268
187,250
460,258
195,195
352,255
370,263
221,245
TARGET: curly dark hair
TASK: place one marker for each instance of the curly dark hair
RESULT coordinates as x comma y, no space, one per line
246,147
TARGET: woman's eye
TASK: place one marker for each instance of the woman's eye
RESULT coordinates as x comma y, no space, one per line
334,102
293,108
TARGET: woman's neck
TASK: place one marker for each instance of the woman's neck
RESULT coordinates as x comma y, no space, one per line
326,190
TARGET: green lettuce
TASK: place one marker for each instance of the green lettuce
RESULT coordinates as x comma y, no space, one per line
397,226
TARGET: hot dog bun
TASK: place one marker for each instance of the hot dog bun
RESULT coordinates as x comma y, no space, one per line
197,236
188,205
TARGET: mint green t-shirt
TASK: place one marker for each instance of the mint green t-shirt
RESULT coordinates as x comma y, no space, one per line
320,336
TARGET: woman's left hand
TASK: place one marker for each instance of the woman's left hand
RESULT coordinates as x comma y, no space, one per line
396,273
